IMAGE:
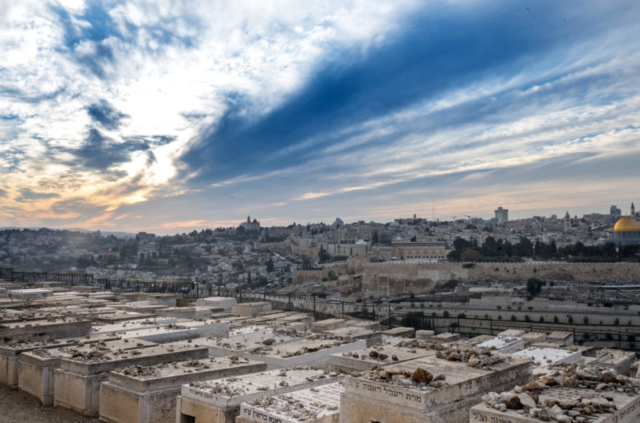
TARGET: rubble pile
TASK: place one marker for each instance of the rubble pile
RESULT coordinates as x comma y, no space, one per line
578,409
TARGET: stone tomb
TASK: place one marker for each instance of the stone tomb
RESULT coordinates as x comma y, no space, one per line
531,338
10,354
370,336
367,400
542,357
251,309
560,338
512,333
121,316
503,345
77,381
364,324
246,330
314,405
140,306
36,368
296,318
189,312
329,324
379,355
45,329
400,331
239,345
148,395
616,360
628,407
443,338
175,332
129,325
225,303
219,401
313,351
29,294
425,335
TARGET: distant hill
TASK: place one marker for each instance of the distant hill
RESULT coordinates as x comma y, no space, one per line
117,234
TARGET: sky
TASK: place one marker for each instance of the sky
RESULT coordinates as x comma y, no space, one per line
169,116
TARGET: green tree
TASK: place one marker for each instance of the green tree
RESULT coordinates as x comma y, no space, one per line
534,286
270,266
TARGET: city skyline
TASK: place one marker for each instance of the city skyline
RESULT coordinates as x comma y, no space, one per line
139,115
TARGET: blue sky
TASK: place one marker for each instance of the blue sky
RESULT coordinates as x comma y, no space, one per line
171,116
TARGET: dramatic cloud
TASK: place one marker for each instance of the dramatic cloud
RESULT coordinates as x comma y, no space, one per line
171,115
103,113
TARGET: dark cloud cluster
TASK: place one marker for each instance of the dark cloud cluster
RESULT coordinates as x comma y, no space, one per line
26,194
103,113
100,152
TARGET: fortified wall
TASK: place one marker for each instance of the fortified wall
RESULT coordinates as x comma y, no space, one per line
393,278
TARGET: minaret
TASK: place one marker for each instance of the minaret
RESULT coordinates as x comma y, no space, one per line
633,210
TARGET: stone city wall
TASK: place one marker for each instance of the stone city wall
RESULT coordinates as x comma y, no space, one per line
391,278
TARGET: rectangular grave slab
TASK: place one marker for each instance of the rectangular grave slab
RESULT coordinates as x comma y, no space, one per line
219,401
316,405
616,360
239,345
503,345
175,332
121,316
443,338
251,309
296,318
542,357
365,400
225,303
531,338
188,312
140,307
29,294
628,408
328,324
246,330
400,332
45,329
149,395
36,368
512,333
378,356
370,336
374,326
131,325
77,382
561,338
168,300
308,352
425,335
10,353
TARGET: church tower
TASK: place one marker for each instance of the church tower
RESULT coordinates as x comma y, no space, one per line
567,222
633,210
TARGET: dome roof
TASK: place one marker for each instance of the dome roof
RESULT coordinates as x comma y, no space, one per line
627,224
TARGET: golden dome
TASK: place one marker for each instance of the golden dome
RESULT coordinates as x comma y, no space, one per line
627,224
